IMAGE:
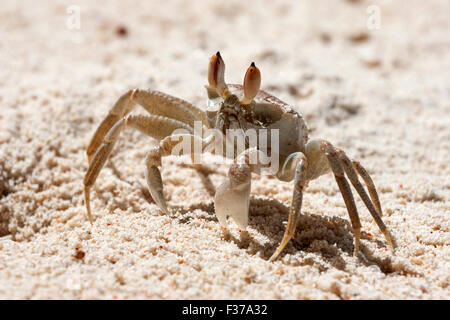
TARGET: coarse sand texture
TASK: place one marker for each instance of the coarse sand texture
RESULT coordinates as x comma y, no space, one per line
378,90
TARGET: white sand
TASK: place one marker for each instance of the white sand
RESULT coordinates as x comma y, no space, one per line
392,113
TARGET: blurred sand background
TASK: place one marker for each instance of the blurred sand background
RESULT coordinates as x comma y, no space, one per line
383,95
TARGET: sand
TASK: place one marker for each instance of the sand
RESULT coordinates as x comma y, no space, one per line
383,95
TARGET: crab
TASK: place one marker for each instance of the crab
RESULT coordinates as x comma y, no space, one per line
242,107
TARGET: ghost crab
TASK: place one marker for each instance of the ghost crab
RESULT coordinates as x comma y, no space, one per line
235,106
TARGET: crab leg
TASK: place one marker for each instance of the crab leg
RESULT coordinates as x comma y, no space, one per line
122,107
299,183
346,192
370,186
353,177
155,126
162,104
154,102
153,160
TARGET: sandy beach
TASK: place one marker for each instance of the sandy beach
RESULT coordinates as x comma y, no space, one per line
375,81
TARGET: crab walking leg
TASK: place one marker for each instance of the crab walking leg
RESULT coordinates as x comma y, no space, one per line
346,192
154,126
353,177
154,102
159,103
98,161
299,183
157,127
370,186
122,107
165,148
232,196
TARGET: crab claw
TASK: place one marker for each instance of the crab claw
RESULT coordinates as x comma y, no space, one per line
232,201
216,73
252,83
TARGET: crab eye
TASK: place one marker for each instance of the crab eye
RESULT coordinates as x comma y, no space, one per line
252,83
216,70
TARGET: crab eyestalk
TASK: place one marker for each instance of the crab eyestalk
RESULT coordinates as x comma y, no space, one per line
252,83
216,74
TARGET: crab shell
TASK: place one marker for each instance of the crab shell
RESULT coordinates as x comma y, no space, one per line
267,112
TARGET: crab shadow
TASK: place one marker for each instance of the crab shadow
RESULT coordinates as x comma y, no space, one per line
327,237
321,235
